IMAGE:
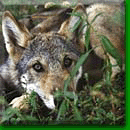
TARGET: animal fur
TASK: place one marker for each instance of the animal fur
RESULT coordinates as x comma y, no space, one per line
42,62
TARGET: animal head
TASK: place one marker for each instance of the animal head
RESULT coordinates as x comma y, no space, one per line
45,61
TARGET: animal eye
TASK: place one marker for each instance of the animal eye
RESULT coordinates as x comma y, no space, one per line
38,67
67,62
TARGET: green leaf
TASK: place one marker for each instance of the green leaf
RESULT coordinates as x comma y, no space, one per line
66,83
87,38
33,102
82,27
58,94
76,68
62,109
78,14
108,78
96,17
79,63
75,99
76,25
30,118
69,94
111,116
111,49
97,86
108,73
77,114
2,100
9,113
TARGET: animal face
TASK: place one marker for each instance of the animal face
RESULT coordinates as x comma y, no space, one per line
42,62
46,64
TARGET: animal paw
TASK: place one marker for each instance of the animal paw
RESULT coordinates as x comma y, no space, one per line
20,102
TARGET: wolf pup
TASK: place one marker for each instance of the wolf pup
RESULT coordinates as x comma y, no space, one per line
42,63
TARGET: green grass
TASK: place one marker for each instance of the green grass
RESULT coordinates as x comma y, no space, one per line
98,104
103,103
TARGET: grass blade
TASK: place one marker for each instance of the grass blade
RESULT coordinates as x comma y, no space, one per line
75,69
69,95
79,63
79,20
111,49
77,114
77,24
96,17
62,110
87,38
108,73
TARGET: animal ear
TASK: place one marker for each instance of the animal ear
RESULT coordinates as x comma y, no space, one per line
16,35
52,23
73,29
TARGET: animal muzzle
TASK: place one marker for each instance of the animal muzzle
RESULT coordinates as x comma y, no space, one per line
49,101
49,86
